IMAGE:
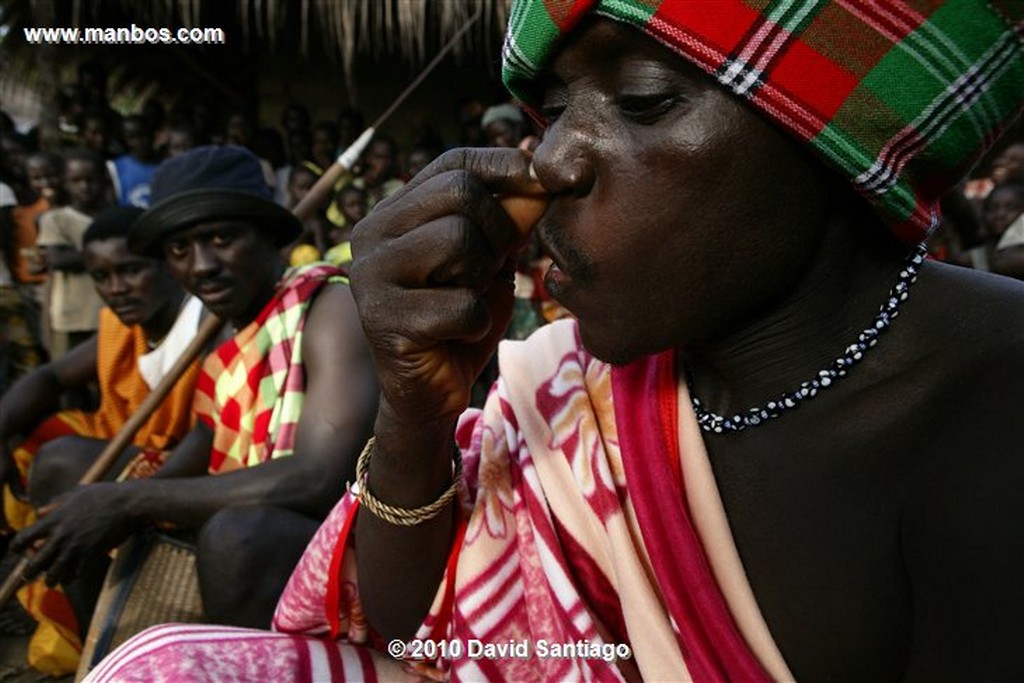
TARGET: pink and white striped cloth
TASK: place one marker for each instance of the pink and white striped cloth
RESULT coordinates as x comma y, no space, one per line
583,538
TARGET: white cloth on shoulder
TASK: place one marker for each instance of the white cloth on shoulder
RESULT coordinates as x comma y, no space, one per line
155,364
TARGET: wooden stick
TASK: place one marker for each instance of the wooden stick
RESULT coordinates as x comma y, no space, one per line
206,332
319,194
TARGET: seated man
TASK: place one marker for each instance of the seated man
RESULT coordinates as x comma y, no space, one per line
148,321
775,443
282,406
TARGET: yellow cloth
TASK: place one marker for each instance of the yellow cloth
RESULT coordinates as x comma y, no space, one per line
340,254
303,255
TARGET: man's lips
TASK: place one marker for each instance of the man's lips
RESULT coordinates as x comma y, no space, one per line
555,277
126,306
212,291
546,244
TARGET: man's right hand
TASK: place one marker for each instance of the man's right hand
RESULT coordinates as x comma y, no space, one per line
433,277
89,520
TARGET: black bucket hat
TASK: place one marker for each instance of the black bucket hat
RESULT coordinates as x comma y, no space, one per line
207,184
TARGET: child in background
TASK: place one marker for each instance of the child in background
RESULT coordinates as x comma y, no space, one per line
74,304
302,177
21,347
95,131
132,172
42,192
1003,205
1003,212
180,139
352,203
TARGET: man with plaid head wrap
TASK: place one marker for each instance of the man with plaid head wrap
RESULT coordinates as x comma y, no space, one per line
775,443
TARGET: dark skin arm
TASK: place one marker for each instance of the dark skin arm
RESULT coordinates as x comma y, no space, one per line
432,277
37,395
64,258
336,418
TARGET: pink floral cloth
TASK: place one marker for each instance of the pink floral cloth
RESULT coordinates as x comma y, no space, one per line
578,560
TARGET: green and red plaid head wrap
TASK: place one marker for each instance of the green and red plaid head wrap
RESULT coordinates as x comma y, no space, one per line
901,97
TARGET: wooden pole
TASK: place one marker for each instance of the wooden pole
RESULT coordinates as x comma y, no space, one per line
320,193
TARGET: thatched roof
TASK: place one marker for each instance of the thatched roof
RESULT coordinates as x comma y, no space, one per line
347,35
404,28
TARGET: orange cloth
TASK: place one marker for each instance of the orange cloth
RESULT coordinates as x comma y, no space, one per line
25,233
122,389
55,646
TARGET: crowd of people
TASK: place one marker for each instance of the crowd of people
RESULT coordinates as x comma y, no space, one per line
431,416
90,328
108,158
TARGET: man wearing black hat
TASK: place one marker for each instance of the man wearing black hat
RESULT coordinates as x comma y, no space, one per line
295,379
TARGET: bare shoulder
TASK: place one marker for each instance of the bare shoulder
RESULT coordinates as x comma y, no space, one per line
332,310
969,331
965,338
964,346
333,332
962,508
969,318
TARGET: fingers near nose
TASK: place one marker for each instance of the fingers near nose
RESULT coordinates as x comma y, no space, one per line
452,193
501,169
446,251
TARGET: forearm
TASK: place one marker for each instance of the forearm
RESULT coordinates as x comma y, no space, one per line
191,458
286,483
65,259
400,568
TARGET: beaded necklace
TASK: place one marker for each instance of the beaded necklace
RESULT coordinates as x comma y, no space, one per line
712,422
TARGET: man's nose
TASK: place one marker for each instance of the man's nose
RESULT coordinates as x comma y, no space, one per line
118,284
204,261
562,160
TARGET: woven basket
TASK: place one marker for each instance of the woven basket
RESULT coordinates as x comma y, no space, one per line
151,581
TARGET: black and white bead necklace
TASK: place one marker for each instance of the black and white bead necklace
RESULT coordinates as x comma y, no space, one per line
712,422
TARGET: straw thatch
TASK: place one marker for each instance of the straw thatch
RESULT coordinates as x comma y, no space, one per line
404,28
341,33
336,30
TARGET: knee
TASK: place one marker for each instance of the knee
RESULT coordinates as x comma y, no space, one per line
228,561
232,537
54,470
244,557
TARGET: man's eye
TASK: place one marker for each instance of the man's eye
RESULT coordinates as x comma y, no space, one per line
221,239
647,108
549,113
177,249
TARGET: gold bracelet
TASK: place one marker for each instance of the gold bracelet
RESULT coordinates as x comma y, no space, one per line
396,515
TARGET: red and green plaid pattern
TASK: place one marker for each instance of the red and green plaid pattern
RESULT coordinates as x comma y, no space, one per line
902,97
251,389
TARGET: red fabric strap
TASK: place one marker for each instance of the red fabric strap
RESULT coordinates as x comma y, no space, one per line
711,644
